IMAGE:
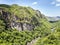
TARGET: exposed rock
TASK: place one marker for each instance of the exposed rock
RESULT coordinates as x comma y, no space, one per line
28,21
13,23
21,26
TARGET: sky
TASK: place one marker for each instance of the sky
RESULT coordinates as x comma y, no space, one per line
47,7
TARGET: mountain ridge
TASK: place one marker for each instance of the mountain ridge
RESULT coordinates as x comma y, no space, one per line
57,18
20,18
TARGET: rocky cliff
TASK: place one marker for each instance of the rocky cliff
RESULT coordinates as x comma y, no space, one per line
19,17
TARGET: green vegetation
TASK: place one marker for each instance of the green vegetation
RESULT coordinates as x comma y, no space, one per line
9,36
12,37
51,39
2,26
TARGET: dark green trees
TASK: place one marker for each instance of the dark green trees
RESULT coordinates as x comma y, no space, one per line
2,25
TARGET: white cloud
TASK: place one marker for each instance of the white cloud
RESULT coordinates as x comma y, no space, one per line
53,3
57,5
57,0
34,3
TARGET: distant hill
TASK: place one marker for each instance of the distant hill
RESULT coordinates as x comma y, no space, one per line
53,19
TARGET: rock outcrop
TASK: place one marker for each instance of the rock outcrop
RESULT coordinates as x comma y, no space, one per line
28,22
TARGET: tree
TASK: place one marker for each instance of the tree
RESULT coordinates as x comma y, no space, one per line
2,25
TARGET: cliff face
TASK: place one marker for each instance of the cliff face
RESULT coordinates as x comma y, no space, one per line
15,23
21,18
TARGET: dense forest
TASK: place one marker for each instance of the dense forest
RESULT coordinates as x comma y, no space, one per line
20,25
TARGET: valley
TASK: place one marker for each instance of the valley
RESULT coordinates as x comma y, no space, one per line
20,25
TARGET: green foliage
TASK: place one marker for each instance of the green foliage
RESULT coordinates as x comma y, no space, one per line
4,5
12,37
42,28
2,25
22,12
51,39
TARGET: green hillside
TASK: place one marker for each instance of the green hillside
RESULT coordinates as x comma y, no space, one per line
53,38
20,25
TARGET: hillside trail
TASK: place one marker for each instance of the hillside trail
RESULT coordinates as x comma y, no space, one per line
33,41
